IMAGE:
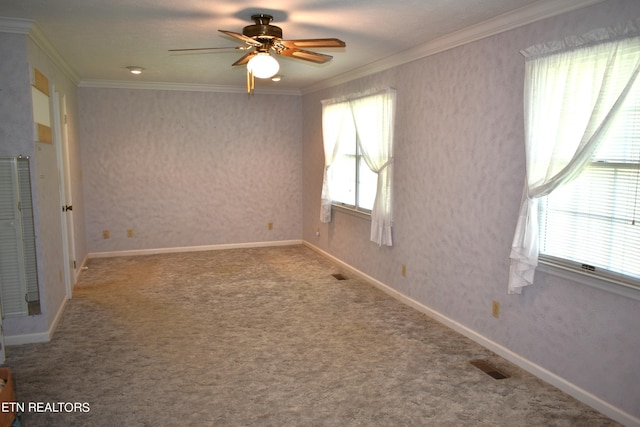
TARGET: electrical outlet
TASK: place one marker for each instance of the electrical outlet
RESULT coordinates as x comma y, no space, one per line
270,226
130,232
495,309
404,270
106,234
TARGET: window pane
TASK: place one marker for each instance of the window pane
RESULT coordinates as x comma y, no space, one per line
342,175
367,185
623,140
593,220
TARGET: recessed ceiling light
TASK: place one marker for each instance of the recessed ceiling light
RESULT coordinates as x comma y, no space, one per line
135,70
276,78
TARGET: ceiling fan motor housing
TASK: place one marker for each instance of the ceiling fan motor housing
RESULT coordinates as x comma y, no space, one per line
261,29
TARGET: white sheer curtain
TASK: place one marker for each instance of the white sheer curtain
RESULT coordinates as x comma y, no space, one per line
333,116
373,114
573,90
374,117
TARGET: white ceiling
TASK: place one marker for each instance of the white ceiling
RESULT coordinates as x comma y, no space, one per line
97,39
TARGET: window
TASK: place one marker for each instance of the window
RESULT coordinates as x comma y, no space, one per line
581,199
593,222
357,133
352,182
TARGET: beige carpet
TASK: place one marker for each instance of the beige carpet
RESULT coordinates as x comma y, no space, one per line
264,337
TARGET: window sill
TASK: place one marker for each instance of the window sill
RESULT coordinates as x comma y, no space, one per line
352,212
592,280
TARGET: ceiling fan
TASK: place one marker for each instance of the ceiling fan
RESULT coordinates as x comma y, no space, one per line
261,38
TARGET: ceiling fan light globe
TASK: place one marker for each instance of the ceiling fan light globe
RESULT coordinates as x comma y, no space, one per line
263,65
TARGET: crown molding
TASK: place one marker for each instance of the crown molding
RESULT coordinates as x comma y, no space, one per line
526,15
188,87
29,28
508,21
15,25
43,43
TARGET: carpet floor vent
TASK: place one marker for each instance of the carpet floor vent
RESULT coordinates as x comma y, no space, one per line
339,276
489,369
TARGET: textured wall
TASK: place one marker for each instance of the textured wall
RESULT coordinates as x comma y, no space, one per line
15,97
48,187
459,172
189,168
17,137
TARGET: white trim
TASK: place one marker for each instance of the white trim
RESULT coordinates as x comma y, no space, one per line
57,319
499,24
523,16
187,87
15,25
351,211
39,337
573,390
57,141
599,282
35,338
153,251
83,265
43,43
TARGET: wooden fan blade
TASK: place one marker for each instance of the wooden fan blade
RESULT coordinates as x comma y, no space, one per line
313,43
245,58
242,37
210,48
318,58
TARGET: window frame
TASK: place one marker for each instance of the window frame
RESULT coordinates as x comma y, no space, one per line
364,212
583,268
559,268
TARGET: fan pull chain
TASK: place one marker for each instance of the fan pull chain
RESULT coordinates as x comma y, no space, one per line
251,82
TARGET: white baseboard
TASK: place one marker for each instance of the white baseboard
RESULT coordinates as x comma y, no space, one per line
571,389
38,337
83,264
153,251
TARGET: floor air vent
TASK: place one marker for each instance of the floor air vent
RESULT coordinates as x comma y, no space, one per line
489,369
339,276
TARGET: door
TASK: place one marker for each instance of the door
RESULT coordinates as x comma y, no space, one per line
66,202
